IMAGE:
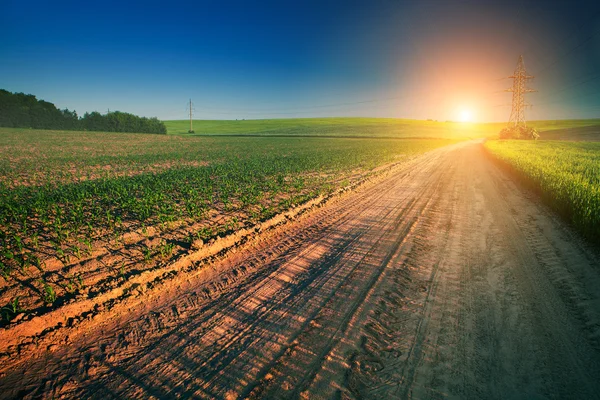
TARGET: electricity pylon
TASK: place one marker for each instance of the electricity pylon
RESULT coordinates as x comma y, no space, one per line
519,88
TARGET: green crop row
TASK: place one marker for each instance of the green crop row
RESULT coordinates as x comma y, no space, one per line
565,174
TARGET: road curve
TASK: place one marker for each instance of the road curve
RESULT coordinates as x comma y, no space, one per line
443,280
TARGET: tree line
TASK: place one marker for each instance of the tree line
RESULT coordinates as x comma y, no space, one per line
19,110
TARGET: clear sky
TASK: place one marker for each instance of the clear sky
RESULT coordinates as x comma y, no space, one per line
276,59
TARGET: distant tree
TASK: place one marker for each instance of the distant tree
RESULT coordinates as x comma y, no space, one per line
70,119
93,121
21,110
118,121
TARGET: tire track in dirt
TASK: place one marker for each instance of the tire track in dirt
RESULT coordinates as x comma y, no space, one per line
513,312
301,369
382,354
328,331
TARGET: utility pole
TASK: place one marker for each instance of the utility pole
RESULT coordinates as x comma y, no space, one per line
191,129
519,88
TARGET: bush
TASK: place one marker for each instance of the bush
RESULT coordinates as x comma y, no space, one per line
519,132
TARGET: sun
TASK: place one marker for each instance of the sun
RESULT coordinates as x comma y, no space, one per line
465,115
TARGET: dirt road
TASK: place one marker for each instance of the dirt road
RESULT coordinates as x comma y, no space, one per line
442,280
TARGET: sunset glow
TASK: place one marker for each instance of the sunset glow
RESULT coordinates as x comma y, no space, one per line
465,115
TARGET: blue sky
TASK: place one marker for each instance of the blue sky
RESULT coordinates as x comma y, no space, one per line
277,59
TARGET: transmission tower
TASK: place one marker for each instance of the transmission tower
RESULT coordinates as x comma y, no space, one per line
519,88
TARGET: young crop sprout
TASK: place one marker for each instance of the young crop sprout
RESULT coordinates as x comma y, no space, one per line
48,294
12,309
166,249
147,251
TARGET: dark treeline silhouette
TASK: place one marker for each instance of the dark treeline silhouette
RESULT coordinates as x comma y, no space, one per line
19,110
117,121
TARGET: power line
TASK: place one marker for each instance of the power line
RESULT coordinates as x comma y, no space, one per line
291,111
286,109
573,32
560,58
563,89
571,98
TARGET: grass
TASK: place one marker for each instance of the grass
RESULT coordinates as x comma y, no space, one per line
565,174
551,125
340,127
365,127
576,130
124,202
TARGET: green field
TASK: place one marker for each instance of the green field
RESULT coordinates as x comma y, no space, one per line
350,127
561,124
380,127
565,174
578,130
70,199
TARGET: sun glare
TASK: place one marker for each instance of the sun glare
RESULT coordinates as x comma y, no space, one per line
465,116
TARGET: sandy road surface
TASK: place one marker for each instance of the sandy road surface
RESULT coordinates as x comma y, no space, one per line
443,280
